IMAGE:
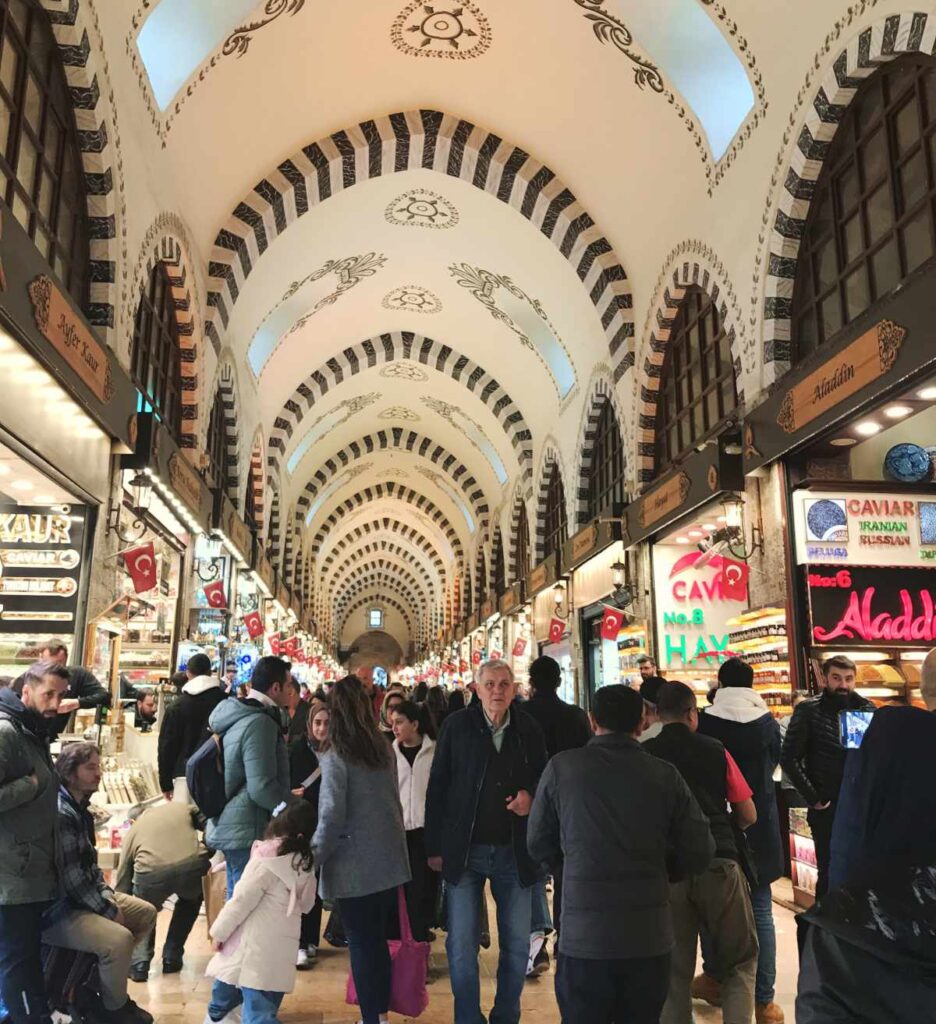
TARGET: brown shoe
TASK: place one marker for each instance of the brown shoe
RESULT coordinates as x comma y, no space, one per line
768,1013
707,989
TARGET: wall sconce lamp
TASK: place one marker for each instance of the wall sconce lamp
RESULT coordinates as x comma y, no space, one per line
559,600
622,595
141,492
736,543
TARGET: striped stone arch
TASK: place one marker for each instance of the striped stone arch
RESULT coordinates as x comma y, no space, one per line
386,525
384,582
167,250
392,578
480,564
549,457
497,541
422,139
274,538
255,481
672,289
86,72
414,629
396,438
226,391
390,569
399,493
876,44
291,537
388,348
380,547
602,391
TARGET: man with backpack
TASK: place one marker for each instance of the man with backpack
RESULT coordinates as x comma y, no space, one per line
185,724
254,762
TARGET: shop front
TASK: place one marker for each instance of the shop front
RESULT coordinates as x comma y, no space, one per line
548,596
65,405
516,629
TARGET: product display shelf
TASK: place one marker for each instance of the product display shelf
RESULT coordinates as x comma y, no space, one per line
803,858
760,639
632,644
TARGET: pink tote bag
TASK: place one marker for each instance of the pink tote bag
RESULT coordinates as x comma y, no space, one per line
408,969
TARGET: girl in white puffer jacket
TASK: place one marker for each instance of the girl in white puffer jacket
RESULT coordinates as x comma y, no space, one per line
256,935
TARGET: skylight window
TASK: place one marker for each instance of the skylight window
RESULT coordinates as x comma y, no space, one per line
179,34
686,44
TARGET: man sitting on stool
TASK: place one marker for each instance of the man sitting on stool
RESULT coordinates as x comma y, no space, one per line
161,856
90,917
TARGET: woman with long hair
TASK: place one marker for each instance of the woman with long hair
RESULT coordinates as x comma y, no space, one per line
305,778
414,749
395,696
360,842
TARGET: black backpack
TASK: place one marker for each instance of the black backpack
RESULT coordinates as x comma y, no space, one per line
204,774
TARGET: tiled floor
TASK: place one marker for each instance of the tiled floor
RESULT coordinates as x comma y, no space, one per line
319,994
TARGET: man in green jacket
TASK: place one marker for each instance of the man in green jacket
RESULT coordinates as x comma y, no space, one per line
28,813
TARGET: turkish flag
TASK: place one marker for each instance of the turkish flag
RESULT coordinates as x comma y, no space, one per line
519,647
463,666
475,657
496,655
300,657
291,647
141,564
734,580
253,624
214,594
611,623
275,644
556,630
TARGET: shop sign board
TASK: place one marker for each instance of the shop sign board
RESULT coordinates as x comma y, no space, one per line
859,364
262,566
511,599
472,623
228,520
855,606
589,541
695,599
40,567
459,631
487,609
283,596
295,605
887,528
55,330
544,575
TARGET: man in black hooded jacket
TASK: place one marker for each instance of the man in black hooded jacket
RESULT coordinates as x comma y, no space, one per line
813,756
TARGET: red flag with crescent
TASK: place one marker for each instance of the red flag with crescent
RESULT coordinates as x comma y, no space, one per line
519,647
556,630
141,564
734,580
611,623
253,624
214,594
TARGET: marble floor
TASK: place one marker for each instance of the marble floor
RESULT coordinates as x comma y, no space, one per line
319,994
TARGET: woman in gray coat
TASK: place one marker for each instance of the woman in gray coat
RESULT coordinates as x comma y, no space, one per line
360,842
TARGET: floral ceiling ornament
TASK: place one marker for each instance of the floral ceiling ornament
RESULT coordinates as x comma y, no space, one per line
421,208
456,31
239,40
610,29
404,371
399,412
412,298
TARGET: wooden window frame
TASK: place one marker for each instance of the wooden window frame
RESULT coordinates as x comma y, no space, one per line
606,478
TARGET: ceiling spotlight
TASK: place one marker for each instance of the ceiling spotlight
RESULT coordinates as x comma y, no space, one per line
708,526
843,442
897,412
682,540
695,534
928,394
4,469
22,485
868,428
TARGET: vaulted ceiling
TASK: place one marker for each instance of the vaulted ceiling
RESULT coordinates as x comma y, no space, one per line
422,231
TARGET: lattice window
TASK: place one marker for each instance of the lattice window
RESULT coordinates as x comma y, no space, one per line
250,506
555,521
606,474
497,566
522,545
217,445
40,158
698,393
482,581
156,365
871,220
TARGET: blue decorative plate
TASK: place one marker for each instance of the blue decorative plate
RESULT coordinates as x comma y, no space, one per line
826,519
907,463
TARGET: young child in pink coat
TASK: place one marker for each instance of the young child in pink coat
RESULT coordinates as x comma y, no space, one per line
256,935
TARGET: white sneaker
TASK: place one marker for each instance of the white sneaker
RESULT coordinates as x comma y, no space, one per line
302,959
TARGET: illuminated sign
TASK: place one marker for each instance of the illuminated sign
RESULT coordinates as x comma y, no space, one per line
696,595
40,567
871,605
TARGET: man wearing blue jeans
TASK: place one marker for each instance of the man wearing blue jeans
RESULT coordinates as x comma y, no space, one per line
256,767
486,768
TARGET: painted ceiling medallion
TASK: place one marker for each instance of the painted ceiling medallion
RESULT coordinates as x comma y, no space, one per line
412,298
458,32
399,412
404,371
421,208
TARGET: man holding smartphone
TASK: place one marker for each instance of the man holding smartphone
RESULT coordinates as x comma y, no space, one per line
813,754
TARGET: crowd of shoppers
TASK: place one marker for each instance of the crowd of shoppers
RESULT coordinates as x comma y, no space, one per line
656,822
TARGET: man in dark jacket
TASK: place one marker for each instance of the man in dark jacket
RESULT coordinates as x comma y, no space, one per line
813,756
741,720
185,725
716,900
84,689
486,768
565,727
28,813
616,815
